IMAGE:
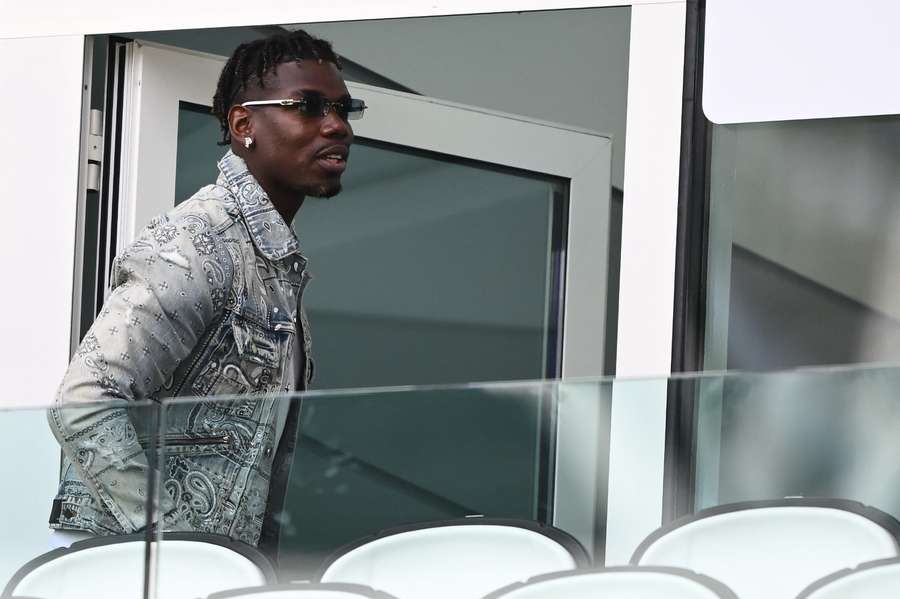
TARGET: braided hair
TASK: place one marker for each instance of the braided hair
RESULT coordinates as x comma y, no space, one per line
253,61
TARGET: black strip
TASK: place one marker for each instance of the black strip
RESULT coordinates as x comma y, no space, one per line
848,572
711,584
108,168
882,519
453,159
689,312
55,510
112,155
302,587
198,108
559,243
546,468
117,165
567,541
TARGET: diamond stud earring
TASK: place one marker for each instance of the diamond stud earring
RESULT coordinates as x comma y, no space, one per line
248,142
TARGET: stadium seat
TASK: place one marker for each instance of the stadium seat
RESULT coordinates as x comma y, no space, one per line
773,549
878,579
624,582
304,590
190,565
455,559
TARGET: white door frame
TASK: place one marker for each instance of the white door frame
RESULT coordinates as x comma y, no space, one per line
646,290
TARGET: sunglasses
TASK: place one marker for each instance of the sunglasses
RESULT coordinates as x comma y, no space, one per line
314,105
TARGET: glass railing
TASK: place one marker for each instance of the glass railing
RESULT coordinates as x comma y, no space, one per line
301,478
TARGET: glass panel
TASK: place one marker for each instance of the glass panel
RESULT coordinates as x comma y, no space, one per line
197,152
829,433
428,270
107,443
804,231
826,434
406,456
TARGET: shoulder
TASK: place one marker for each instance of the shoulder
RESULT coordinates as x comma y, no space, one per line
188,241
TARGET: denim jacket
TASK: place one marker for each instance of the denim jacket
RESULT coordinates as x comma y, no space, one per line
206,302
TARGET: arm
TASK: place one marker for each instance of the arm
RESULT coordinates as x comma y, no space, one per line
168,288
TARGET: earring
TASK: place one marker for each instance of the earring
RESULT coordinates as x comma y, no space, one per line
248,142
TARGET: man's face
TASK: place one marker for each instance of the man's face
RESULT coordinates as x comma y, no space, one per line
295,153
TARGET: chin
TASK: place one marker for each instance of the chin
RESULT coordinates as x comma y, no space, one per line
326,190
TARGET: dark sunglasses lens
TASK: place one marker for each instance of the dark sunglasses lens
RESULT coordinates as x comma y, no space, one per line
354,109
312,105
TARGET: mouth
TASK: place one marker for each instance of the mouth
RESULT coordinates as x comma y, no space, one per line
333,159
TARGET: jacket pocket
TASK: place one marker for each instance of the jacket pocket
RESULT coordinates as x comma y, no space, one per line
183,444
247,359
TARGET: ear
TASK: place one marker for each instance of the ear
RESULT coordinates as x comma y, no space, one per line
239,122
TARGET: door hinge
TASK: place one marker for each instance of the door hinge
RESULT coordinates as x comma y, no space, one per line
95,150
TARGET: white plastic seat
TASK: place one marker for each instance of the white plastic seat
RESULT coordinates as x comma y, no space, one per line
190,565
773,549
457,559
304,591
625,582
879,579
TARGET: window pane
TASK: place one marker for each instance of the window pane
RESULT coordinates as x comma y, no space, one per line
804,240
428,270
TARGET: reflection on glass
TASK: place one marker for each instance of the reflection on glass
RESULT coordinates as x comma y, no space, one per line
470,451
429,271
812,434
804,230
36,491
458,453
465,450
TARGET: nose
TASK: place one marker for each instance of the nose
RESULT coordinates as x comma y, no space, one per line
334,126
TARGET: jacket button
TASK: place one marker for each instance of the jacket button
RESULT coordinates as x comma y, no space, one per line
268,451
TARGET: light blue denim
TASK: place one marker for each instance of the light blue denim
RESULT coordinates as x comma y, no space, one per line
206,302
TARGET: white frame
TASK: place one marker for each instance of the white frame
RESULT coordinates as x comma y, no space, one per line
59,17
646,290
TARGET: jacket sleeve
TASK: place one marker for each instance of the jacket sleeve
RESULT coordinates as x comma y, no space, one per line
168,288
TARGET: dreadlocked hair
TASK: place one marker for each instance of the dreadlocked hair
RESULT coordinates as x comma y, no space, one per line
253,61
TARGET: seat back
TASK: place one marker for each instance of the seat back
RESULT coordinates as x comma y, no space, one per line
304,590
456,559
190,565
773,549
626,582
879,579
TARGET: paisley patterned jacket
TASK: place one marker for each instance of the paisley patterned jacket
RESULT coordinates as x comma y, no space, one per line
206,302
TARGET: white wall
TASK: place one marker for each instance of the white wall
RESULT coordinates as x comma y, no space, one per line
39,168
39,158
770,60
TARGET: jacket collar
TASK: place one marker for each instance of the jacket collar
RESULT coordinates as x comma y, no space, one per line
272,236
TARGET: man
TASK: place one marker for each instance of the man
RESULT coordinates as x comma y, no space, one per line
207,302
